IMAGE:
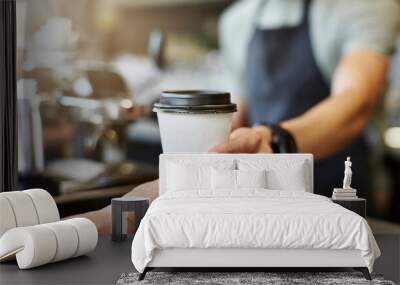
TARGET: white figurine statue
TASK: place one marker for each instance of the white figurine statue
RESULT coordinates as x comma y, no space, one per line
347,192
347,174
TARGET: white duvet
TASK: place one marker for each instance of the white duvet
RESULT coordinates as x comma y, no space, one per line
250,219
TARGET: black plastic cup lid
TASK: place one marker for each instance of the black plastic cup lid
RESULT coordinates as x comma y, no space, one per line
195,101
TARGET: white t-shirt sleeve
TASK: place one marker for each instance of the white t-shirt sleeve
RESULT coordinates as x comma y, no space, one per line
368,24
235,31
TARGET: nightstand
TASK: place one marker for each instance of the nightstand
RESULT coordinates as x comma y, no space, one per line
358,206
120,208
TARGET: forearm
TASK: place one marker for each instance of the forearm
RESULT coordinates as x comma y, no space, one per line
341,118
102,218
331,125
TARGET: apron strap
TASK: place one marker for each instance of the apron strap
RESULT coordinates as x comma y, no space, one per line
306,10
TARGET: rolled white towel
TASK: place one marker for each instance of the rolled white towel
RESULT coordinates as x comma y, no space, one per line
7,218
87,235
23,208
45,205
26,208
66,238
33,246
40,244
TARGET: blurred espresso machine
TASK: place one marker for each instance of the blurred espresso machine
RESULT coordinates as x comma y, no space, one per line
70,143
73,118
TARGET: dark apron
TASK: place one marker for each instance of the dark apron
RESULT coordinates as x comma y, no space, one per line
283,82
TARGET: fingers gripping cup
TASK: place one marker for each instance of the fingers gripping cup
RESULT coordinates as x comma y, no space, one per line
194,121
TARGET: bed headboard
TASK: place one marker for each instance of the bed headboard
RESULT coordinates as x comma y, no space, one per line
275,160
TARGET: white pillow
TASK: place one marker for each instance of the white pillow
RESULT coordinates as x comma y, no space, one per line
186,176
183,178
226,179
223,179
251,178
281,174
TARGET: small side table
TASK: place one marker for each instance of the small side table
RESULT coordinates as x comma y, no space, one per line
120,208
358,205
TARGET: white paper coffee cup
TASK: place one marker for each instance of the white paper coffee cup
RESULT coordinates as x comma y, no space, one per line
194,121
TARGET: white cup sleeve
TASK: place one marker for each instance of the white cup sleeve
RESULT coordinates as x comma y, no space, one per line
45,205
33,246
87,235
67,239
23,208
7,217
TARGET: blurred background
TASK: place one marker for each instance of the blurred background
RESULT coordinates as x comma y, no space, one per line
89,72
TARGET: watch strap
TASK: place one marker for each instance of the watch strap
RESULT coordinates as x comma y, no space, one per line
282,140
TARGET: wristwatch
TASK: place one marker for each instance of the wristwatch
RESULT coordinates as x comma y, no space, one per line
282,140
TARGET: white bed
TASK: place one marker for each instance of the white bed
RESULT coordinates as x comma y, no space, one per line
203,227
